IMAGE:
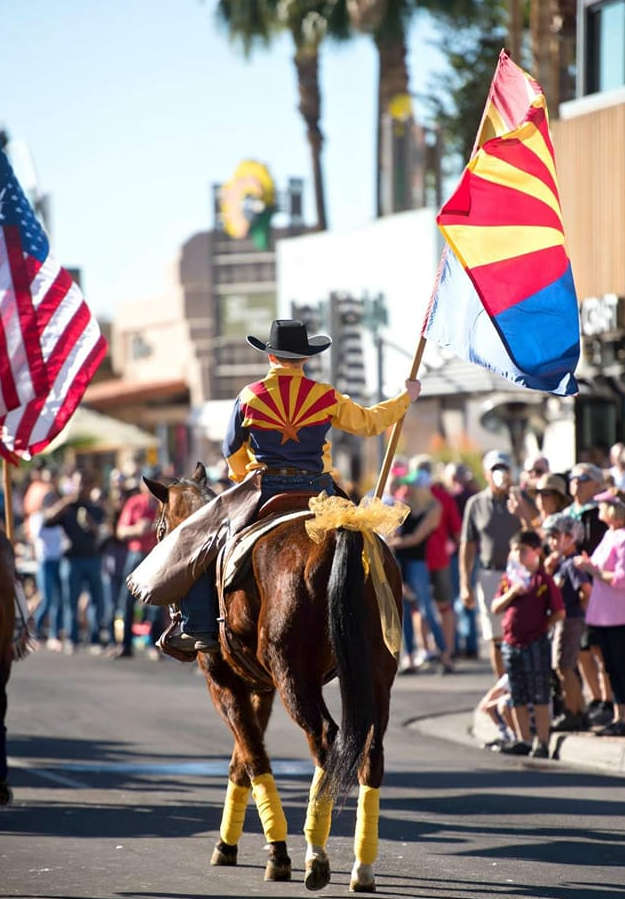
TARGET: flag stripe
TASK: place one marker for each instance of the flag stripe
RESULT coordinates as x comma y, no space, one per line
75,393
484,244
502,284
7,312
57,358
492,168
21,290
496,204
53,298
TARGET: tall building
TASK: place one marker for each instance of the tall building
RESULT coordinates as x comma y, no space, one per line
181,357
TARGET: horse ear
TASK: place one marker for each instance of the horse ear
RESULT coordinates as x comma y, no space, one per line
160,491
200,475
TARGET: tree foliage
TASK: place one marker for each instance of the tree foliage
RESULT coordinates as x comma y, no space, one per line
471,44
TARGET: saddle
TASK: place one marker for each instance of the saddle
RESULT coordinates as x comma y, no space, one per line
234,555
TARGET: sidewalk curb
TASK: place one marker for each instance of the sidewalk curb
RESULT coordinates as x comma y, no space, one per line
603,755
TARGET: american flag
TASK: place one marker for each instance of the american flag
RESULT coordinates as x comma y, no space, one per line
50,344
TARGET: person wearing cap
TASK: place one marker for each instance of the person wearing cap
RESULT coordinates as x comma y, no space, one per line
606,606
438,557
487,528
585,481
563,535
280,425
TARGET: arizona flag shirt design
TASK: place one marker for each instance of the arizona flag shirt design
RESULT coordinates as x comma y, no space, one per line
283,421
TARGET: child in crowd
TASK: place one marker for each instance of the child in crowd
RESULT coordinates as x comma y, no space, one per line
496,704
564,535
530,603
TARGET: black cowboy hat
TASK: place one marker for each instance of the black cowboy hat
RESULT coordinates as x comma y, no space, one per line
288,339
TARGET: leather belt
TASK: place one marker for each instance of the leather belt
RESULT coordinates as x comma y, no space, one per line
293,472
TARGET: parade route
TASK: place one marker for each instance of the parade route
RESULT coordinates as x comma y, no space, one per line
119,772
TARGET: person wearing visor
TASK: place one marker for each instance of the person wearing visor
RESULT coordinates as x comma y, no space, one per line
487,528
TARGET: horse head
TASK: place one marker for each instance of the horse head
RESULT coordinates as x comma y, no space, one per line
180,499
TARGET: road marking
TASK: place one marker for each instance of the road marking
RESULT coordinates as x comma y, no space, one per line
47,774
216,768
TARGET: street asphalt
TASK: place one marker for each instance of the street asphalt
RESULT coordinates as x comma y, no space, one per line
119,772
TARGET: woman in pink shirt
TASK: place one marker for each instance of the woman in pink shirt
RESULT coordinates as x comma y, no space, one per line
606,606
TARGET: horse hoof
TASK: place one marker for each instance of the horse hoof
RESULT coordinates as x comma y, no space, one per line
356,887
317,874
6,794
278,864
224,854
278,870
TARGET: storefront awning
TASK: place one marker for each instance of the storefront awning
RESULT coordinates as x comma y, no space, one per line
107,394
93,432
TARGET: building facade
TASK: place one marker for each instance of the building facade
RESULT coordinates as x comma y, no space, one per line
180,357
589,139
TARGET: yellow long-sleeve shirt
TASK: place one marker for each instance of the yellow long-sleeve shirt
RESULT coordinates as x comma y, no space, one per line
283,420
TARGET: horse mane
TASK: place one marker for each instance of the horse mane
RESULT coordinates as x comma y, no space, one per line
206,492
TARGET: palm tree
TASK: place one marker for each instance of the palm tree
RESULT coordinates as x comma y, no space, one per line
253,23
388,22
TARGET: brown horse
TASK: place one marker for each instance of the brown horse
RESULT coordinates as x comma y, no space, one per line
7,622
302,613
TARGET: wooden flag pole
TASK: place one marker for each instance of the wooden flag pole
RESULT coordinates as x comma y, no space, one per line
392,444
8,499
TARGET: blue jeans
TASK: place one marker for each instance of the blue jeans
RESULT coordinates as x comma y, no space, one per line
85,571
199,607
466,628
127,603
415,574
51,592
276,483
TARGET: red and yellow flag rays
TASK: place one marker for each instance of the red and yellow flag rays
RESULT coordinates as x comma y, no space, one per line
286,403
504,222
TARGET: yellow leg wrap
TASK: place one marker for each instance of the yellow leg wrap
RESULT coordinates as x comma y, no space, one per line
366,837
233,814
269,807
318,814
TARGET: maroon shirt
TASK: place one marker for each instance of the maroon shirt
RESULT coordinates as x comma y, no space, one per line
526,618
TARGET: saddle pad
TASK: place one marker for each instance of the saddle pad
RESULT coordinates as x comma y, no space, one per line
244,542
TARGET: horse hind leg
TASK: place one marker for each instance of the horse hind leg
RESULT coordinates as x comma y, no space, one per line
308,709
370,777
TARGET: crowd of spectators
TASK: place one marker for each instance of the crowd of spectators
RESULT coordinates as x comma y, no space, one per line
535,564
539,563
78,535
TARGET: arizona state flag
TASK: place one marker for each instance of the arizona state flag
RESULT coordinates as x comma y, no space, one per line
506,298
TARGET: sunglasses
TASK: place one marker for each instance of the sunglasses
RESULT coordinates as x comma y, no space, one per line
581,477
537,471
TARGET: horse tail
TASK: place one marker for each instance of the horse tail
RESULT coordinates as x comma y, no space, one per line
353,662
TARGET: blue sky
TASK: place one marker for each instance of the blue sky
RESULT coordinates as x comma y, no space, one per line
133,108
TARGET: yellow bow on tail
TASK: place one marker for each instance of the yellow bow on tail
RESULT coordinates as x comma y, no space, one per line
371,517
